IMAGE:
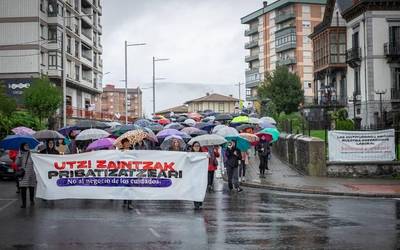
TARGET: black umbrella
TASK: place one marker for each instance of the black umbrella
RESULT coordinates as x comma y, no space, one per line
181,118
85,124
223,117
245,126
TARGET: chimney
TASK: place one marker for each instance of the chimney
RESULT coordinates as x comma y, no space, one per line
230,95
207,94
265,4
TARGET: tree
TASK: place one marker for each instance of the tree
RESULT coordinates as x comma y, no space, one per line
283,88
7,104
42,98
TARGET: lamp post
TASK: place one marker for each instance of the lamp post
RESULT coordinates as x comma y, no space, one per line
154,80
380,93
126,76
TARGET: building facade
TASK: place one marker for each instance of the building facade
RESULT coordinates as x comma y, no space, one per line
373,61
279,35
182,109
31,45
113,102
215,102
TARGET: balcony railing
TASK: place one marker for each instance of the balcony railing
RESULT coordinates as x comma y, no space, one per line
250,58
395,94
87,56
353,57
251,31
281,17
74,112
251,44
87,78
392,51
251,71
87,34
286,46
286,61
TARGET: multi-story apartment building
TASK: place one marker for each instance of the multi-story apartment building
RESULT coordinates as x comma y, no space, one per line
279,35
31,45
113,102
373,58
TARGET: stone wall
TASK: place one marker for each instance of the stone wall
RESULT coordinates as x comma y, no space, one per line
360,170
304,153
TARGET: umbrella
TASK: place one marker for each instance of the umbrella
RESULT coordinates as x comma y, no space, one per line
92,134
264,124
174,125
193,131
227,131
164,121
240,119
15,141
208,140
134,137
190,122
113,124
143,122
181,119
48,134
253,120
253,139
104,143
241,143
23,131
223,117
209,119
218,127
268,119
166,144
85,124
264,137
271,131
169,131
65,131
244,127
124,128
195,116
155,127
205,126
151,135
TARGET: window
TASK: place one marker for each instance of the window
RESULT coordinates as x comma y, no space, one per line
68,19
77,49
68,100
52,8
42,6
306,9
221,107
52,33
76,5
42,31
69,68
52,59
306,24
355,41
42,58
394,35
357,81
248,92
77,69
69,44
76,24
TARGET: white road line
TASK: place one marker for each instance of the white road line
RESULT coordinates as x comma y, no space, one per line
137,211
154,232
8,204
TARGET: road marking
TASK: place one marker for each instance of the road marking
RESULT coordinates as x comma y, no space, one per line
154,232
8,204
138,212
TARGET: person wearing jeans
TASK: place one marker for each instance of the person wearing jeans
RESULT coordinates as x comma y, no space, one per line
28,181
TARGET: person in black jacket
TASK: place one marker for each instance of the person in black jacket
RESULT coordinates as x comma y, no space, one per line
232,163
50,148
264,151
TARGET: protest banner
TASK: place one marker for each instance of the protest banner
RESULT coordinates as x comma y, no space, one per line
361,146
129,175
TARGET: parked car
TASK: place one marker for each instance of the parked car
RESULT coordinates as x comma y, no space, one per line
6,170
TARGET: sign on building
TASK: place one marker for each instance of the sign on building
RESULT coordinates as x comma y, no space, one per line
361,146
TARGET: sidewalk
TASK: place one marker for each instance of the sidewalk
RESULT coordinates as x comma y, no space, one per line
281,177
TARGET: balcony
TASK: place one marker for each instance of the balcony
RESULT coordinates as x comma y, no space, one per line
251,44
281,17
353,57
251,98
251,71
395,94
250,58
74,112
285,31
251,31
392,52
252,84
286,61
286,46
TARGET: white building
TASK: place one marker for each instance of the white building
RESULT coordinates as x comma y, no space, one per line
373,58
31,36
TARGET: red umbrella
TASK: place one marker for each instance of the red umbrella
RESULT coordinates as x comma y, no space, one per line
164,121
264,137
195,116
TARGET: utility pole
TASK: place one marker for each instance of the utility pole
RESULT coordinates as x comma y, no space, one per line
380,93
239,85
126,76
154,80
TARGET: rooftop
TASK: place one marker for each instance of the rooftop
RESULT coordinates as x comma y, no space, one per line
177,109
214,98
112,88
276,5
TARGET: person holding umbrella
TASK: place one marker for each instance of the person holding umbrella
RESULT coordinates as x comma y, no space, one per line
212,165
233,156
264,152
28,178
126,145
50,148
197,148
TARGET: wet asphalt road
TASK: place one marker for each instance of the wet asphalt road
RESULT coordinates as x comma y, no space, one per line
253,219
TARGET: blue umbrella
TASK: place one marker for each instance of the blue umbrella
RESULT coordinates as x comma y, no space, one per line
143,123
15,141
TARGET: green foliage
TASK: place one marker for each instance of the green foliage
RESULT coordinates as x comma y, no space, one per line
19,118
7,104
270,110
344,125
340,114
283,88
295,120
42,98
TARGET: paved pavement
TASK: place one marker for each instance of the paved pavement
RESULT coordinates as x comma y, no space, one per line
252,219
284,178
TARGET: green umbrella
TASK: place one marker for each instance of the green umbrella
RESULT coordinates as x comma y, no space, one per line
241,143
240,119
271,131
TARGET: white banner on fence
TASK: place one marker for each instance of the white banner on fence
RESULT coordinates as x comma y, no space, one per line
361,146
129,175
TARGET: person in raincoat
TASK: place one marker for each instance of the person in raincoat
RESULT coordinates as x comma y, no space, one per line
28,181
264,152
233,156
212,165
12,154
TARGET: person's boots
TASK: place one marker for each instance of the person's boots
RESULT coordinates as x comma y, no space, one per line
23,197
32,195
130,206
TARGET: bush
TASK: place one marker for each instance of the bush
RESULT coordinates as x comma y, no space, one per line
344,125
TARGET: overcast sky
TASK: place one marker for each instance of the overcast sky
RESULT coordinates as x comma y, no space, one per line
203,39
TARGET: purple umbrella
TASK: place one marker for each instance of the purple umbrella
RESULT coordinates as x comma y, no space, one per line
103,143
170,131
23,131
65,131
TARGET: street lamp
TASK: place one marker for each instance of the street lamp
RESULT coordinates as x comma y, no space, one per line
380,93
154,80
126,76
